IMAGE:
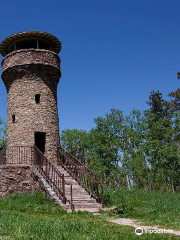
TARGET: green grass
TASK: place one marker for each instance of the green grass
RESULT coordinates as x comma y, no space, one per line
151,206
34,216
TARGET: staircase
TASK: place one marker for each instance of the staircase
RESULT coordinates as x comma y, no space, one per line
82,200
73,183
69,183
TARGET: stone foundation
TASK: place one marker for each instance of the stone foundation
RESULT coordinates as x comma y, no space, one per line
16,179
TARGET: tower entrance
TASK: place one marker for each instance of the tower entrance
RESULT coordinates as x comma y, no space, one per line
40,141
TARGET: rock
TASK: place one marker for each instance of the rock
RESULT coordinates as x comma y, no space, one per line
11,178
26,183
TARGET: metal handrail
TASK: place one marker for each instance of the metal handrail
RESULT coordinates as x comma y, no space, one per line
81,173
77,161
52,175
33,156
19,155
49,172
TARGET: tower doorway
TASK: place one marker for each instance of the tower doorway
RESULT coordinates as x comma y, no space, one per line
40,141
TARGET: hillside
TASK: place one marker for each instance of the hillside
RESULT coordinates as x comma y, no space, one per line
33,216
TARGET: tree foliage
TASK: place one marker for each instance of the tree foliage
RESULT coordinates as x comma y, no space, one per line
136,151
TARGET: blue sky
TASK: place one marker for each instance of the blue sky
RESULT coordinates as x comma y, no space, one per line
114,53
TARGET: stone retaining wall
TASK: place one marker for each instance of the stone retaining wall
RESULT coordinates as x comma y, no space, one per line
16,179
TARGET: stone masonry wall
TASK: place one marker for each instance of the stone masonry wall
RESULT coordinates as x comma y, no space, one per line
31,56
25,74
16,179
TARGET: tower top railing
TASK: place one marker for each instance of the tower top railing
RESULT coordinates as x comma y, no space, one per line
30,39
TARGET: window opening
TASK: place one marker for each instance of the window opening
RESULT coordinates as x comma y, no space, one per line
13,118
37,98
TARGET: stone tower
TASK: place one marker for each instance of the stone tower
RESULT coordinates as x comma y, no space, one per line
31,72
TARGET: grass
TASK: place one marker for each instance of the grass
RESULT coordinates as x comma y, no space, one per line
151,206
33,216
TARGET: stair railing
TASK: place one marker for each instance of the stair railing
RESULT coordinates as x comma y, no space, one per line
52,175
81,173
29,155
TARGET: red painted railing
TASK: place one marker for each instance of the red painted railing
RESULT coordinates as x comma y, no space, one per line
81,173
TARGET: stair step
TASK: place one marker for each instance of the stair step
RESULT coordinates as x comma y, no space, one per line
76,191
82,207
76,188
78,194
92,210
86,205
81,197
74,183
82,200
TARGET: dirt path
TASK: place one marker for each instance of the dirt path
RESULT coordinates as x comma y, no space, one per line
135,223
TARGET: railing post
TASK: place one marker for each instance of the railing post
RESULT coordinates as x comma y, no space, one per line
102,196
57,155
97,189
72,206
63,186
76,172
32,156
46,169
